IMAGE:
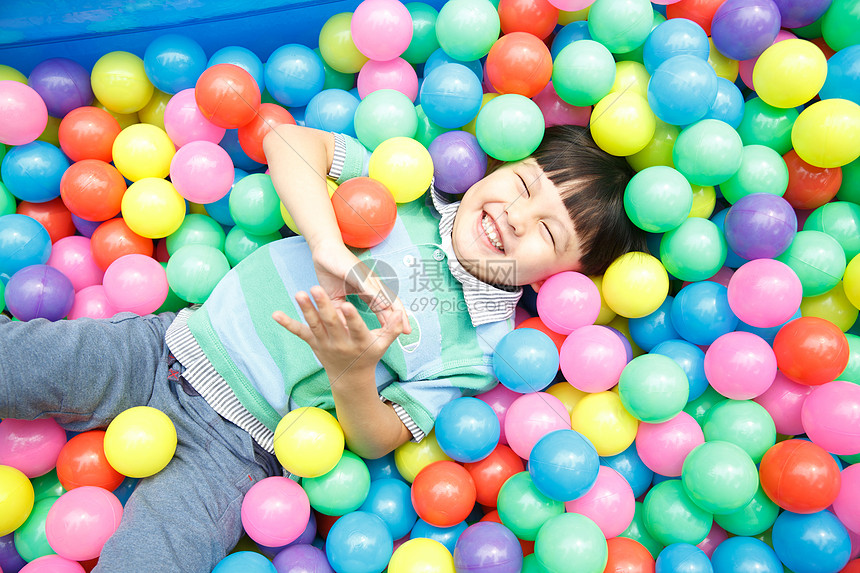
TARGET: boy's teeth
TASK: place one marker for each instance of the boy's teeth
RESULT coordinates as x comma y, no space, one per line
490,230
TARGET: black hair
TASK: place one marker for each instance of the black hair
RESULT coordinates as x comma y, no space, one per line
592,183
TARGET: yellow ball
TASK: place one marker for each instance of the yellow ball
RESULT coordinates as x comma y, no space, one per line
658,151
421,555
410,458
827,133
606,314
602,419
635,285
631,76
16,499
470,127
143,150
566,17
52,132
851,281
140,442
153,112
336,45
124,119
568,395
790,73
308,442
153,208
724,66
833,305
288,219
120,82
10,73
404,166
704,201
622,123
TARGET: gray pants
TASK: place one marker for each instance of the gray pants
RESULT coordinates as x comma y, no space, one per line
83,373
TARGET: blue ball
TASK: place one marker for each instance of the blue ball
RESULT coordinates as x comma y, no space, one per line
467,429
220,209
391,499
439,57
728,105
701,312
745,555
294,74
843,75
683,558
563,465
174,62
811,543
332,110
733,260
230,143
681,89
245,562
767,334
569,34
525,360
23,242
451,95
382,468
242,57
652,329
674,37
632,468
447,536
691,359
32,172
359,542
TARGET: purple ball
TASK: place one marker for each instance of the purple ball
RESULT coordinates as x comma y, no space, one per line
63,83
800,13
743,29
84,227
760,226
10,561
302,559
458,161
488,547
39,291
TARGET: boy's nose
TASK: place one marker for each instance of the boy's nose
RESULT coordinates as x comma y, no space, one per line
518,217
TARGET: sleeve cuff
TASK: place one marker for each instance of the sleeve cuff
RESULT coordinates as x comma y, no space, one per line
339,157
417,433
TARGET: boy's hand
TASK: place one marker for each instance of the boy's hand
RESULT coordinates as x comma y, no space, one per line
338,335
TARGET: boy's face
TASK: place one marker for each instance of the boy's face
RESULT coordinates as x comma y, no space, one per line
512,228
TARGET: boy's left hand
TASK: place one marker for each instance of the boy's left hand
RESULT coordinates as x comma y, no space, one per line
338,336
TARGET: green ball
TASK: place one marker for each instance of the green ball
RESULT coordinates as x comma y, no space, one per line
343,489
840,220
47,485
620,25
754,518
31,541
638,532
240,243
193,271
653,388
255,205
818,260
571,538
851,372
764,124
708,152
583,72
700,407
850,188
333,78
467,29
8,205
694,251
762,170
510,127
523,508
658,199
719,477
172,303
384,114
840,25
424,40
638,54
531,564
671,516
427,130
742,422
196,229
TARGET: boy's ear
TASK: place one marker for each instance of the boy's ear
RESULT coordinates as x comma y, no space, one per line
537,284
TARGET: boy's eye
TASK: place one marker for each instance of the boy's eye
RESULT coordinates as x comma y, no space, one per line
545,226
525,187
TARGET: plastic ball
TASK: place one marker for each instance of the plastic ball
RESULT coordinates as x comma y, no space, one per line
16,498
563,465
81,521
567,301
242,57
202,172
491,472
762,170
671,38
294,74
689,357
535,17
467,29
402,165
194,270
745,552
531,417
620,26
23,242
174,62
92,189
701,312
783,401
244,562
639,273
113,239
583,73
443,493
120,83
760,225
275,511
682,89
39,291
227,95
525,360
381,29
458,161
663,446
670,516
450,95
590,551
424,40
488,546
63,85
800,60
53,215
825,133
25,113
31,446
143,150
396,74
389,498
767,125
592,358
365,211
467,429
302,557
523,508
653,388
708,152
829,416
184,122
740,365
764,293
800,476
609,503
509,127
447,536
811,350
743,423
519,63
411,457
195,229
842,80
88,133
332,110
754,518
602,418
653,329
627,113
683,557
140,442
728,105
811,542
420,554
91,302
743,29
694,250
557,111
658,199
628,556
135,283
382,115
255,206
846,506
251,134
720,477
32,172
153,208
810,187
337,46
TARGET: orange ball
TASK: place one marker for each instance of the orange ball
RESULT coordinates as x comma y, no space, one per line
53,215
699,11
251,135
227,95
443,493
88,133
810,187
82,461
490,473
365,211
628,556
536,323
114,239
537,17
92,189
519,63
811,350
799,476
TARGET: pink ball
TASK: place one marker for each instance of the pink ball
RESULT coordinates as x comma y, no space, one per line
136,283
715,536
609,503
24,113
592,358
764,293
31,446
745,67
184,122
663,447
831,417
568,300
531,417
855,544
52,564
81,521
500,399
740,365
381,29
202,171
847,503
396,74
783,401
74,258
556,111
92,302
275,511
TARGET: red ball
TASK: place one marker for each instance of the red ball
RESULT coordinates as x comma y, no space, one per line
82,461
251,134
628,556
88,133
114,239
810,187
537,17
53,215
699,11
227,95
92,189
800,476
443,493
851,567
490,473
519,63
536,323
365,211
811,350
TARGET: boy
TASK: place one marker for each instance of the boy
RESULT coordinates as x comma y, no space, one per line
384,358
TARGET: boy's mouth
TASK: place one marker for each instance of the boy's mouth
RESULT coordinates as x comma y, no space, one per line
492,231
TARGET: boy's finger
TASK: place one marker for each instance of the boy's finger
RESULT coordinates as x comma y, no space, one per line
354,323
294,326
311,315
327,312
